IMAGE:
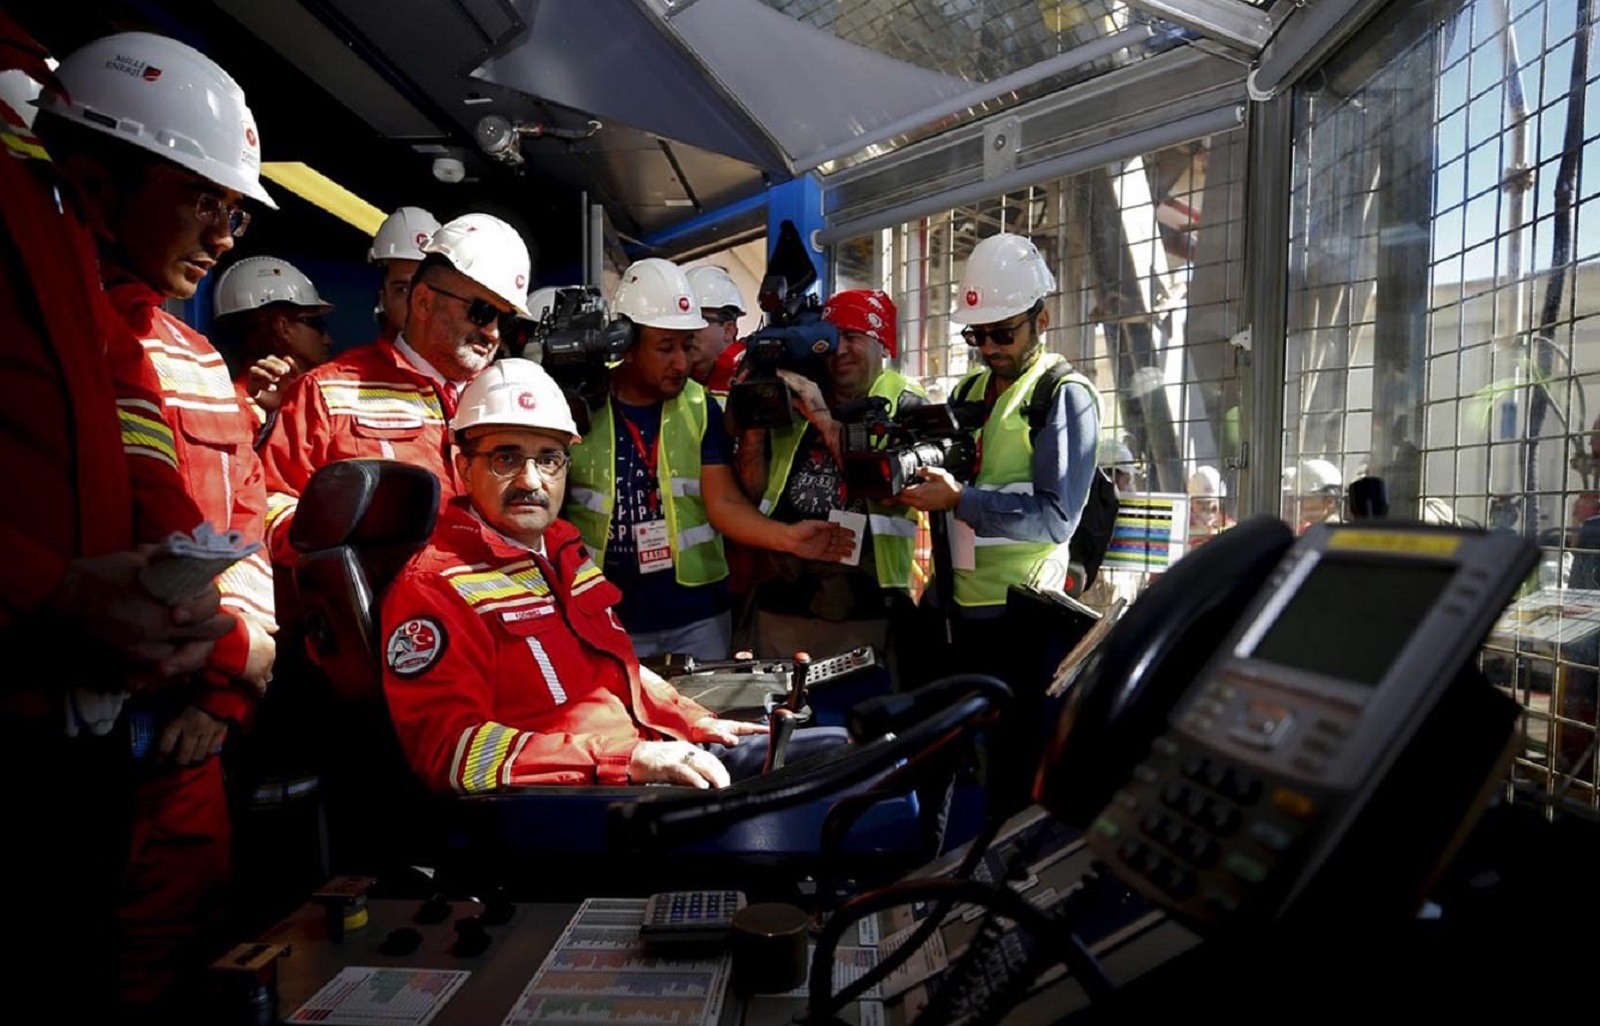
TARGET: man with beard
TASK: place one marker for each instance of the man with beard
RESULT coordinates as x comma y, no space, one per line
653,490
1031,483
796,472
392,400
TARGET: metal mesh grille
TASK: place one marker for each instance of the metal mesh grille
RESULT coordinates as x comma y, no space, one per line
1147,256
1444,327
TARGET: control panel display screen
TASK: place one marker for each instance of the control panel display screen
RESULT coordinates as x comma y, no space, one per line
1350,620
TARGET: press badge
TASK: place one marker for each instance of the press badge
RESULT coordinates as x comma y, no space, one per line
650,542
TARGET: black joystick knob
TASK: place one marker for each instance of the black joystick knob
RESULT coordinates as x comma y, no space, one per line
402,941
498,908
435,910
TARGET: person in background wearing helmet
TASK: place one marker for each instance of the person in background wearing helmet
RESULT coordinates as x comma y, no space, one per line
72,607
652,486
392,400
397,250
1031,484
718,349
504,664
1207,518
796,473
164,215
1117,463
278,330
1318,490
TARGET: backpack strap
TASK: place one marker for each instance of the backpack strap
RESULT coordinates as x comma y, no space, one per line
1044,393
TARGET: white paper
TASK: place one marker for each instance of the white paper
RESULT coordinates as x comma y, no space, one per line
857,523
373,996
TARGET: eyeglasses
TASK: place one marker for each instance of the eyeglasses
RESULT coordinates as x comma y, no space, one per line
208,208
479,311
1002,336
316,322
506,463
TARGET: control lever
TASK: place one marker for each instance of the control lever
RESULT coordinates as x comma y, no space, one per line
797,683
780,727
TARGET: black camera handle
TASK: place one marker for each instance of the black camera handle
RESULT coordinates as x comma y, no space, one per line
944,581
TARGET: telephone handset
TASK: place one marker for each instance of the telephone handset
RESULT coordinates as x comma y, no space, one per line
1157,648
1283,730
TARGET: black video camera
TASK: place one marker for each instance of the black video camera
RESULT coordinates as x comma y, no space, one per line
577,342
882,455
795,337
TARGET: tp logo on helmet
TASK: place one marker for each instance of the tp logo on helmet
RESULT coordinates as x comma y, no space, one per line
972,297
250,136
683,303
527,401
522,282
421,239
150,74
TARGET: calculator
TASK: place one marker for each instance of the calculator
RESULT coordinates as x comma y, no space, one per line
689,917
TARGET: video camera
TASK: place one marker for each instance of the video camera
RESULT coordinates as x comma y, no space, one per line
794,338
576,341
882,455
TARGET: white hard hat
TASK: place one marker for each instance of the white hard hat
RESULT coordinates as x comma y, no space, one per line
656,293
1004,276
402,235
490,252
515,393
1206,483
714,288
166,97
1318,476
256,281
543,299
18,90
1115,453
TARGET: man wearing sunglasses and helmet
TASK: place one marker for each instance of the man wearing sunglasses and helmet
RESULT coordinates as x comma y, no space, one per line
1033,477
272,326
392,400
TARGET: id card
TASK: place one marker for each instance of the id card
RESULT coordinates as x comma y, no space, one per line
650,542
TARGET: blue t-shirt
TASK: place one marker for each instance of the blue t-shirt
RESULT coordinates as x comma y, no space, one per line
655,601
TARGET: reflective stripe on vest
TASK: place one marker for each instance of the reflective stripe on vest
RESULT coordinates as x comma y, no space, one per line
1007,467
894,529
592,487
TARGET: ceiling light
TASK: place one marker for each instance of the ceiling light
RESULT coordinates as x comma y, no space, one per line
315,187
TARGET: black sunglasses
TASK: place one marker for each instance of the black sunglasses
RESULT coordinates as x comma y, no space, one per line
316,322
1002,336
479,311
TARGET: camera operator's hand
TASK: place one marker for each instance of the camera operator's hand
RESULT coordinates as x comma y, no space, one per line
936,491
821,540
676,762
809,403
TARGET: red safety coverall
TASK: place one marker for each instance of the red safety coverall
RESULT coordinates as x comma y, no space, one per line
70,497
368,403
504,668
182,840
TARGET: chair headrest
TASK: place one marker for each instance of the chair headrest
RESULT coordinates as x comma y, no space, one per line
365,502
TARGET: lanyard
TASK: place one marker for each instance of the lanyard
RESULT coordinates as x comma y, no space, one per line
648,454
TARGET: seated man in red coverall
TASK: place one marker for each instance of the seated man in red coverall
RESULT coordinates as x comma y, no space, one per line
504,664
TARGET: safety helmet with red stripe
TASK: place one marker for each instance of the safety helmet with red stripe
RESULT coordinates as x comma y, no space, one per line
869,311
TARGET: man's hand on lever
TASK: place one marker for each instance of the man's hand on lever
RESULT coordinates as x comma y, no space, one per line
676,762
724,732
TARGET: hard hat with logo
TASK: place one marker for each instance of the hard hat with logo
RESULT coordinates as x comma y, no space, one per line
715,289
1207,483
1005,276
256,281
656,293
1318,477
869,311
166,97
515,393
490,252
402,235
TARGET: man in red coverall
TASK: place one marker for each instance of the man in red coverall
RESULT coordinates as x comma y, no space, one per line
164,215
504,664
391,400
72,610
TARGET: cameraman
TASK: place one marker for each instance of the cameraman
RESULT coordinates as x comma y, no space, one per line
718,348
797,471
652,490
1032,478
